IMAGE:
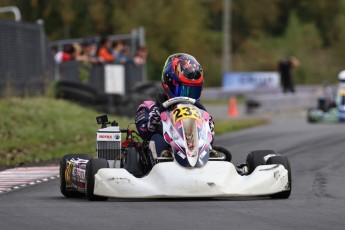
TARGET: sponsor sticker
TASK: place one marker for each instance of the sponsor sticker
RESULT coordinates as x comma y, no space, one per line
108,137
202,155
181,155
80,174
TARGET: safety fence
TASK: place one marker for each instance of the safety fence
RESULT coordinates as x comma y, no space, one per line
26,61
27,65
95,76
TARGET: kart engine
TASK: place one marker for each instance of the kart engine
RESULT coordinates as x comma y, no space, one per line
109,143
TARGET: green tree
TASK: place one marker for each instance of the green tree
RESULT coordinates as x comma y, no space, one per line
321,13
171,26
262,31
300,40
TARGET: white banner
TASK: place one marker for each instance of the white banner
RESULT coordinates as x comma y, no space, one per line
114,79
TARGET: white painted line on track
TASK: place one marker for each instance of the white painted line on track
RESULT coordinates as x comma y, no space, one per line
16,178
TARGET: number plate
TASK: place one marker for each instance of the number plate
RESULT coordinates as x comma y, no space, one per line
186,112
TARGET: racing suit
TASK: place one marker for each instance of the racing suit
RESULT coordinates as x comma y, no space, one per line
150,127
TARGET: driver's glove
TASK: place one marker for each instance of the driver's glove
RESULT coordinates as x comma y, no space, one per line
154,122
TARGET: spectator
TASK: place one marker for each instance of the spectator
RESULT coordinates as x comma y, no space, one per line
89,52
141,56
119,52
78,56
67,54
104,50
284,68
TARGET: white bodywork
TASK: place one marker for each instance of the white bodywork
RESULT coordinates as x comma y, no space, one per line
168,179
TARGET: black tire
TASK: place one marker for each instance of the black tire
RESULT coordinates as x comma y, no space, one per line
92,168
283,160
77,92
133,165
64,159
223,150
256,158
309,118
144,158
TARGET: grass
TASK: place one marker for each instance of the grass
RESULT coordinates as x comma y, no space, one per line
34,130
40,129
226,126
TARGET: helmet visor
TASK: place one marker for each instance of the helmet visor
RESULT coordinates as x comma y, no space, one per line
188,91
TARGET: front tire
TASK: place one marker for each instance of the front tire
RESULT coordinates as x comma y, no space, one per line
282,160
256,158
310,119
63,188
224,151
92,168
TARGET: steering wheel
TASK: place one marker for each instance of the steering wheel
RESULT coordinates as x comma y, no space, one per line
176,100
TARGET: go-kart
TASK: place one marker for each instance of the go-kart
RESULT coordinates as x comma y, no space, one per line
192,167
315,115
327,110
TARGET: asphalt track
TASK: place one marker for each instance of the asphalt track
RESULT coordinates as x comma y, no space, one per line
317,201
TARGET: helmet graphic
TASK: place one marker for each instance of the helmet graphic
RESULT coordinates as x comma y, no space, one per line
182,76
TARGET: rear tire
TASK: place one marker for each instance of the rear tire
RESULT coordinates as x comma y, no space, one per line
63,188
283,160
92,168
133,165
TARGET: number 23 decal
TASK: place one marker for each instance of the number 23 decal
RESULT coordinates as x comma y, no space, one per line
186,112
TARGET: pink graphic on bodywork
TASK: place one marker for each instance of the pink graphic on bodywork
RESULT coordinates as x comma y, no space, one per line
198,124
167,137
164,117
209,137
178,124
177,147
203,148
205,115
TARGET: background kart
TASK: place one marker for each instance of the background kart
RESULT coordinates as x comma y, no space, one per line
328,109
320,116
126,168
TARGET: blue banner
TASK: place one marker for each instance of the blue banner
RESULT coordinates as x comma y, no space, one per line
251,80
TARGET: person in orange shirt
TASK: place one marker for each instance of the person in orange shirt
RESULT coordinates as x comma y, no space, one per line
104,50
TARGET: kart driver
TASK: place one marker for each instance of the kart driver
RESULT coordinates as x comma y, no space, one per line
182,75
340,97
341,88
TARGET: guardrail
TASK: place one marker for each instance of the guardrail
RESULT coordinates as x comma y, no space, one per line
13,9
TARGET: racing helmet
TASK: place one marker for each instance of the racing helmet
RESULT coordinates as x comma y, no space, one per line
182,76
341,77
